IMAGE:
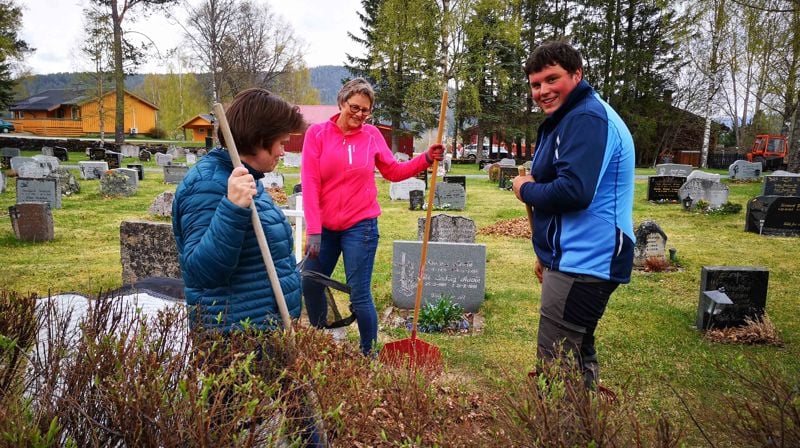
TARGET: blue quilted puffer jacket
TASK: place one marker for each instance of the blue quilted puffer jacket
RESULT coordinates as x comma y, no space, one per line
226,283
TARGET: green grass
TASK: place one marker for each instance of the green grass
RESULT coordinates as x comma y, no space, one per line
646,342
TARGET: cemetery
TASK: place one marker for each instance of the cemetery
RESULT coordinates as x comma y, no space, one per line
651,341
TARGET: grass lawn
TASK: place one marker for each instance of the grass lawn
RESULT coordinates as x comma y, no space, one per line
646,342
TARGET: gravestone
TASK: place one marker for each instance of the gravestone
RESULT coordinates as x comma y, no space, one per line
416,198
292,159
664,188
461,180
507,175
139,169
145,155
174,174
745,286
114,159
162,204
163,159
399,191
449,196
9,152
453,270
39,190
176,151
773,215
272,180
5,162
423,176
507,163
66,181
448,229
191,159
298,188
401,157
673,169
18,161
129,151
97,154
114,184
92,170
61,153
651,242
51,161
147,249
744,170
2,182
47,150
32,221
133,176
712,192
697,174
34,170
781,185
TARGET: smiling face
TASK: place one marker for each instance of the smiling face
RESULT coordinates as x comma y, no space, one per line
266,159
354,111
551,86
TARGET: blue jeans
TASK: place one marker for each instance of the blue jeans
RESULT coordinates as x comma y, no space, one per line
358,245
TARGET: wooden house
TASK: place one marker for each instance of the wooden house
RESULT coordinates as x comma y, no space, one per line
200,127
68,113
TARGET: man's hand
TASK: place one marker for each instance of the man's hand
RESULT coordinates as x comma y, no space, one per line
312,245
241,187
519,181
435,152
537,269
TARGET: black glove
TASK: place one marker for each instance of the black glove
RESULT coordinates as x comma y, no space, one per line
312,245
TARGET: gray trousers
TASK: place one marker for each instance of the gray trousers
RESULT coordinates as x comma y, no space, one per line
572,305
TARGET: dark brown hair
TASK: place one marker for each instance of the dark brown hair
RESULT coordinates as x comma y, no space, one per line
258,118
554,53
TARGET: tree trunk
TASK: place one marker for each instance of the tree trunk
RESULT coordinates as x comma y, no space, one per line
119,75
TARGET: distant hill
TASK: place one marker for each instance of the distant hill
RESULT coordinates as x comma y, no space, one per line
326,78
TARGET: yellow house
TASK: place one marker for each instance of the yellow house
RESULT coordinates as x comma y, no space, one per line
67,113
201,126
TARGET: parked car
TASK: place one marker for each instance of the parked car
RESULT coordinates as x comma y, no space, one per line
471,152
6,127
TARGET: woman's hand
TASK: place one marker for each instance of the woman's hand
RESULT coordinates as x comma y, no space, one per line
435,152
241,187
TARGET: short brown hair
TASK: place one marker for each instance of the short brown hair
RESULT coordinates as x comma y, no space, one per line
258,118
554,53
354,87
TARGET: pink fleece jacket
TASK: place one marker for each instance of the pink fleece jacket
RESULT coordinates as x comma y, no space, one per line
338,174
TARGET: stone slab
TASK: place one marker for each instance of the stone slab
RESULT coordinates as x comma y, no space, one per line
781,185
745,286
174,174
673,169
147,249
92,170
39,190
449,229
664,188
449,196
398,191
773,215
32,221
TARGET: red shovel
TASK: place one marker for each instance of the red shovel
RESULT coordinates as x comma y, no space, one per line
413,352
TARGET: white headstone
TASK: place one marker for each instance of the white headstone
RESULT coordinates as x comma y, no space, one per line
697,174
272,180
673,169
398,191
507,162
35,170
18,161
129,151
292,159
401,157
50,160
92,170
191,159
742,169
164,159
133,176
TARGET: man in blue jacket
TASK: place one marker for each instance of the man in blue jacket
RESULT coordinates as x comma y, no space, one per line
581,192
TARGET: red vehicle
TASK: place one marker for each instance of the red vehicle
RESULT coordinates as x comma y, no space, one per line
770,150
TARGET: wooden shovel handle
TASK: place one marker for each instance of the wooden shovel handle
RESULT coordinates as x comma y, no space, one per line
219,112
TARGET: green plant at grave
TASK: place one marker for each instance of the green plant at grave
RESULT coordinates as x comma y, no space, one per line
442,315
727,208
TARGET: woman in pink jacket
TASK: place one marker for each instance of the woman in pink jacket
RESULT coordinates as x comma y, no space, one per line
341,205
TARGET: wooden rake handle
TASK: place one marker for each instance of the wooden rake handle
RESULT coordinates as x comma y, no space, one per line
219,112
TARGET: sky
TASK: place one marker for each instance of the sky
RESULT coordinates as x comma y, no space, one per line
54,27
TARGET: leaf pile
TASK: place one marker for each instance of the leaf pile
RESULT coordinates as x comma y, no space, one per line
278,195
515,228
754,332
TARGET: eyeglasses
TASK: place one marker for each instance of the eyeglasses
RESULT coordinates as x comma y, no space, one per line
355,108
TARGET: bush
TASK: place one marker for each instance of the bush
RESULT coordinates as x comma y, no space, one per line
157,133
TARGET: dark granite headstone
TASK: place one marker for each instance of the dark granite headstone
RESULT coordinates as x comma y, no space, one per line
298,188
114,159
415,199
507,175
32,221
423,175
448,229
61,153
144,155
745,286
39,190
449,196
138,167
97,154
664,188
781,186
461,180
773,215
9,152
147,249
454,270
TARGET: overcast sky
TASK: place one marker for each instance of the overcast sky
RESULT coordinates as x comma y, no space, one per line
54,27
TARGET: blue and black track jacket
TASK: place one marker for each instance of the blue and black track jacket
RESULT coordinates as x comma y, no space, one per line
583,191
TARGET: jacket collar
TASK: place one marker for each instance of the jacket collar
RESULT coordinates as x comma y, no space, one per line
223,155
581,91
332,122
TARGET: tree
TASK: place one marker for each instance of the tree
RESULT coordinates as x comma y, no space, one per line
98,50
361,66
119,9
295,86
207,27
12,48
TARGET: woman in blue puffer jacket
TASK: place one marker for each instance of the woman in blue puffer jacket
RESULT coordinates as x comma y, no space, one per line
226,284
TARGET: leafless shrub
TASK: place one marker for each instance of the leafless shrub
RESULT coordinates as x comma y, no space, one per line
656,264
759,331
